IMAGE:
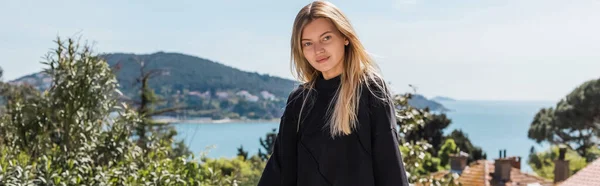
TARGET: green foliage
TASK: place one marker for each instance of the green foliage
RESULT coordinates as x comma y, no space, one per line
417,160
242,153
244,172
572,122
77,133
147,108
267,144
447,149
464,144
431,131
424,131
542,163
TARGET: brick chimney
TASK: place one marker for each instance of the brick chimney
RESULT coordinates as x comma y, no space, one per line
561,166
458,162
502,167
515,161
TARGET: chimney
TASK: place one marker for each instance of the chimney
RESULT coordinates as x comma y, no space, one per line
515,162
458,162
561,166
502,167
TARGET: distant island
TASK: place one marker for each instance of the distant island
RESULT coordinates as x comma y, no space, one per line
442,98
213,91
420,102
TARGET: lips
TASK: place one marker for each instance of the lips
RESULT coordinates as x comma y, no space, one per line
322,59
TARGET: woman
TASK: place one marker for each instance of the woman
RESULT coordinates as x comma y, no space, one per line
338,127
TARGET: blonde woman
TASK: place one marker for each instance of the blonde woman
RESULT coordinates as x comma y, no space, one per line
338,127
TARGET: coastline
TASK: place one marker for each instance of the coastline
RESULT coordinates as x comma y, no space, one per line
211,121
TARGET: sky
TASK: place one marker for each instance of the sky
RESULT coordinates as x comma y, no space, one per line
464,49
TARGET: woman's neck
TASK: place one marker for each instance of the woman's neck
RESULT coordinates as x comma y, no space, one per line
331,73
325,84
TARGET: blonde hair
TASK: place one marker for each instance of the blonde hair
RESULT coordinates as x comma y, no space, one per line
358,67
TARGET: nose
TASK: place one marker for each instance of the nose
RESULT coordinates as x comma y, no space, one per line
319,48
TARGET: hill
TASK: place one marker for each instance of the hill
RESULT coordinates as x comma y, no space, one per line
442,98
419,101
195,74
214,90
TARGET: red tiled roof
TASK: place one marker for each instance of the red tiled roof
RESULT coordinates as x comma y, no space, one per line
480,173
440,174
475,174
588,176
519,178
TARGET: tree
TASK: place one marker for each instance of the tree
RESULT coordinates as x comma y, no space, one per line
78,132
417,160
431,131
447,149
542,163
267,145
573,122
150,129
463,142
242,153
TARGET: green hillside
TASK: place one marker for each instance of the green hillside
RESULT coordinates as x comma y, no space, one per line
209,88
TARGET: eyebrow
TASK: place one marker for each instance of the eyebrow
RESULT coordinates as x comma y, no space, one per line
320,35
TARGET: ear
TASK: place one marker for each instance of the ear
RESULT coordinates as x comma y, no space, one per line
347,42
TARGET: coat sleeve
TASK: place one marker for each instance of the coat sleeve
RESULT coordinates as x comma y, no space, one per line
387,160
271,175
280,169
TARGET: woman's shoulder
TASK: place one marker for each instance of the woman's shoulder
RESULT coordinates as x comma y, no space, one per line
296,92
296,96
376,87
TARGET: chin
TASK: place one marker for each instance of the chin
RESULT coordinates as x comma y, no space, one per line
324,69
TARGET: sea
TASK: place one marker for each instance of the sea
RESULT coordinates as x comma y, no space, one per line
491,125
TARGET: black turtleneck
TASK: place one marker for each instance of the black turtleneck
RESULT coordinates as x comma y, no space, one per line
316,147
369,156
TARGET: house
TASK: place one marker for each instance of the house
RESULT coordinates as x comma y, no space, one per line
268,96
502,171
588,176
246,95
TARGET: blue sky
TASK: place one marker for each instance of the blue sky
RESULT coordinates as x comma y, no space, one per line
465,49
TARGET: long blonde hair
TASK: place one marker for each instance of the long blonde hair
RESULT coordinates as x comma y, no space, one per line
358,67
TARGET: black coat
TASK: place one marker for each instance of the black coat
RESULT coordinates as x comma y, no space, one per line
370,156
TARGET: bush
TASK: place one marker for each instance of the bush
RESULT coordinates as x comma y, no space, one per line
78,133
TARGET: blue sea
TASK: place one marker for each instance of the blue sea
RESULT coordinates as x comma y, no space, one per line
492,125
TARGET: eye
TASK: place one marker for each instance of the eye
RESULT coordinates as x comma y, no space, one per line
306,44
327,38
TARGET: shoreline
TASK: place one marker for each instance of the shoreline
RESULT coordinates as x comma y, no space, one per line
211,121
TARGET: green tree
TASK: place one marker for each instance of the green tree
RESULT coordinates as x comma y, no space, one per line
267,144
67,135
542,163
463,142
572,122
242,153
11,97
418,161
150,129
431,131
447,149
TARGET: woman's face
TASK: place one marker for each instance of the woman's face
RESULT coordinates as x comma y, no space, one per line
323,46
